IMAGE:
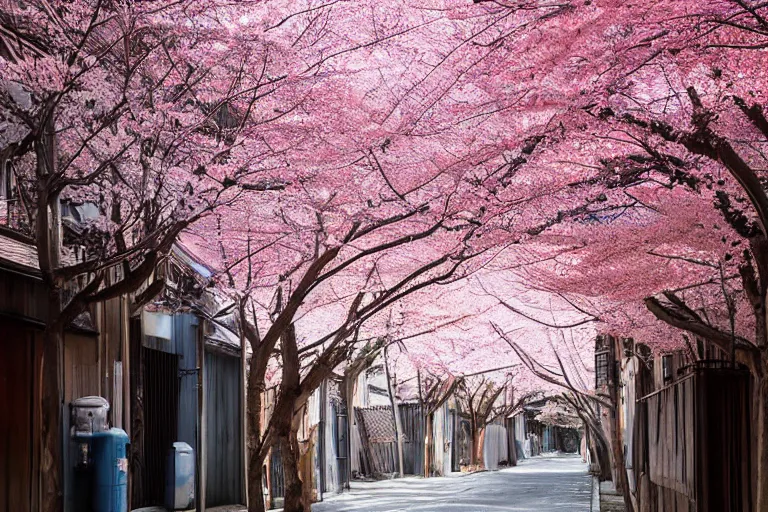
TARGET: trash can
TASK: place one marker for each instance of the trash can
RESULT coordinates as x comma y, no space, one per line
88,415
110,471
180,478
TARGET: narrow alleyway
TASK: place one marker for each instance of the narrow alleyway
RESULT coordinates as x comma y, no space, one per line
542,484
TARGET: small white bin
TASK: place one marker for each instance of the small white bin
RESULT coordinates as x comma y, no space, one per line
180,478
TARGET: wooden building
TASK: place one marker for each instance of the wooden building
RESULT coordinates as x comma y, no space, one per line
187,385
168,375
23,315
683,421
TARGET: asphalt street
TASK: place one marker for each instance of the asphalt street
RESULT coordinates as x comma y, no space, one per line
542,484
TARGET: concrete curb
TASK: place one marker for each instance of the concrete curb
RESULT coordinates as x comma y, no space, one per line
595,501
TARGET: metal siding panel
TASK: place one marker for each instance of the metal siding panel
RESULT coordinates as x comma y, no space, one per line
185,341
223,430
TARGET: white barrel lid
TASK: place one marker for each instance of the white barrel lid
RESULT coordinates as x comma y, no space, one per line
95,402
181,447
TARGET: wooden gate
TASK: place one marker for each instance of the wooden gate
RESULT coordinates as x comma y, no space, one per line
413,446
377,434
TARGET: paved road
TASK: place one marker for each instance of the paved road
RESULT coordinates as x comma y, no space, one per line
541,484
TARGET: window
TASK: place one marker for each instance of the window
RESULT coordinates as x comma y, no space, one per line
666,367
601,369
6,181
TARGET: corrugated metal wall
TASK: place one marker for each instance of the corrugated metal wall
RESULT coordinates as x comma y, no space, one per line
169,391
185,336
224,457
495,448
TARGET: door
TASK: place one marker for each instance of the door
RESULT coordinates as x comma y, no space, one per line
16,400
161,406
224,453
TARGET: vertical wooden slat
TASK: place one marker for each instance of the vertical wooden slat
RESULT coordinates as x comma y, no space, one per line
125,337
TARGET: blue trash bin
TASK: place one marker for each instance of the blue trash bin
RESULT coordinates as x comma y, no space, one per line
110,471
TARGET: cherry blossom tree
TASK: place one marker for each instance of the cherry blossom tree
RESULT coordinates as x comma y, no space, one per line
157,113
486,401
347,269
337,160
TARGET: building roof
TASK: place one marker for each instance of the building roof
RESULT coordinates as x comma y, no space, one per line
18,255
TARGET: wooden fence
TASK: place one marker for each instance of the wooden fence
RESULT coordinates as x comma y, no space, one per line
377,434
697,441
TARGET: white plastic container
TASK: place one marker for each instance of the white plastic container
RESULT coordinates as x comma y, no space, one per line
180,478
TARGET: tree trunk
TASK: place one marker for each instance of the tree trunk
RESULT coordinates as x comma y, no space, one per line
253,417
51,424
286,433
256,488
600,454
428,445
293,489
621,483
306,470
48,247
395,415
478,439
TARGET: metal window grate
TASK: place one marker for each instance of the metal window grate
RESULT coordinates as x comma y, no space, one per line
601,369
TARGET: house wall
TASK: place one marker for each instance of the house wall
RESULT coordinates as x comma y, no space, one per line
81,367
19,420
22,297
112,322
81,378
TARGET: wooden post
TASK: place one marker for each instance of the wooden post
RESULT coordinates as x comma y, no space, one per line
137,412
101,326
125,323
396,414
